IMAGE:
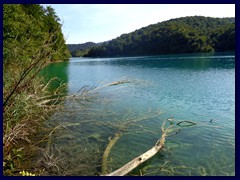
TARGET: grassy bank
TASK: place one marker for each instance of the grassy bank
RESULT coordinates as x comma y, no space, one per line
27,104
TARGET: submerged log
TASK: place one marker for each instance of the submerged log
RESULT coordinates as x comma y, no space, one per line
127,168
142,158
107,151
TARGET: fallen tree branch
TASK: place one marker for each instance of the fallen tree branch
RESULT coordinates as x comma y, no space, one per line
122,128
143,157
118,82
107,151
139,160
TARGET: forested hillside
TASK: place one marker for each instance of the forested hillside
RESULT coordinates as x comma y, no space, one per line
181,35
80,49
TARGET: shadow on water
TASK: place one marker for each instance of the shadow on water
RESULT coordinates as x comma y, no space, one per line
57,70
197,61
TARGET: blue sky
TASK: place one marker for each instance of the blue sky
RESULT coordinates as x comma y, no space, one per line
102,22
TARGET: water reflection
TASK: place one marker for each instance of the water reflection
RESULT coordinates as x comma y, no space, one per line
184,61
57,70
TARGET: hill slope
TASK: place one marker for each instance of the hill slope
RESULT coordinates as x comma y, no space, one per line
181,35
80,49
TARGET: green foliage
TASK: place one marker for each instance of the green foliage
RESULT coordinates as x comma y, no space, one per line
26,28
32,38
12,160
223,39
182,35
78,50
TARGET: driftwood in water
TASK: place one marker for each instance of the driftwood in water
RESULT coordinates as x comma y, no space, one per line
139,160
143,157
118,82
122,127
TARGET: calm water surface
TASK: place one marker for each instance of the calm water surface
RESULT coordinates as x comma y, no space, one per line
196,87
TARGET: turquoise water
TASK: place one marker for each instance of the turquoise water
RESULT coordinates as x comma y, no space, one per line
194,87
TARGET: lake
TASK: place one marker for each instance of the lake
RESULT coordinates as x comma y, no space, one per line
133,96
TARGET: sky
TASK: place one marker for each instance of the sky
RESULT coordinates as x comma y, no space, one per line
102,22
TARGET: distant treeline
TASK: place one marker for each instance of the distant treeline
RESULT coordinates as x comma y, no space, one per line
78,50
181,35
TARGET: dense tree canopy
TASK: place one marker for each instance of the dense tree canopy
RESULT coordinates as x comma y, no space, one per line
26,27
181,35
